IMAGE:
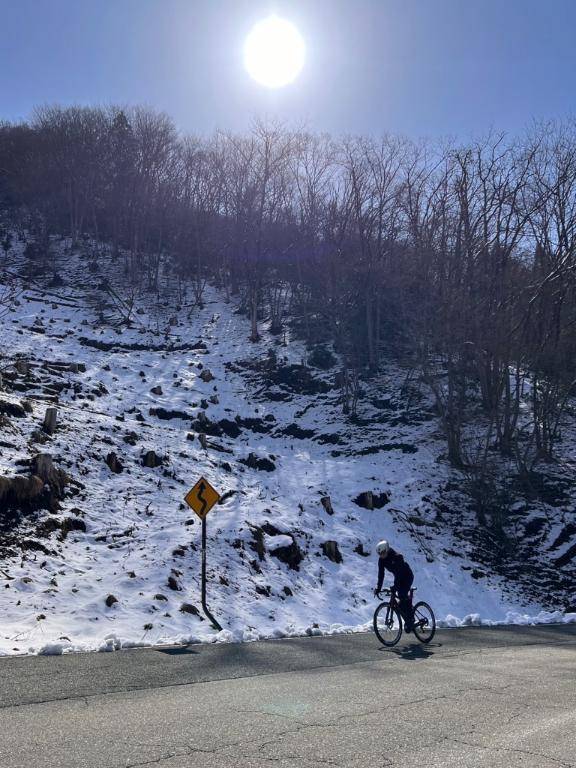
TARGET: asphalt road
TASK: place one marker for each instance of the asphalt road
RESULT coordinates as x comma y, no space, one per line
490,698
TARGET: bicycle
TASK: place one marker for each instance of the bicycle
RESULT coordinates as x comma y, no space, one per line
388,624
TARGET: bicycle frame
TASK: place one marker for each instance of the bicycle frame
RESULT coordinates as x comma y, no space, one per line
394,604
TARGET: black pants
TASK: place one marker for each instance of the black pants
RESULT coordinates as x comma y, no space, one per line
402,583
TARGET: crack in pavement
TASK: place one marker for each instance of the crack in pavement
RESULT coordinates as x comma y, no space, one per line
514,750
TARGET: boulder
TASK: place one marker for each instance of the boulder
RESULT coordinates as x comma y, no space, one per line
189,608
263,465
371,500
70,524
173,584
206,375
12,409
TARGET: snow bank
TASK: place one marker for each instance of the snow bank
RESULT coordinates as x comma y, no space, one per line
512,618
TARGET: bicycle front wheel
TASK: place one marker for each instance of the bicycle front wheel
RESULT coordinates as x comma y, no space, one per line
387,625
424,622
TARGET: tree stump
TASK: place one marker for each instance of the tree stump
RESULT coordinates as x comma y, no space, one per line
50,420
327,504
203,441
43,467
114,463
151,460
331,551
365,500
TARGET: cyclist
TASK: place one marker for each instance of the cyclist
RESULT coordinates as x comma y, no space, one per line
389,559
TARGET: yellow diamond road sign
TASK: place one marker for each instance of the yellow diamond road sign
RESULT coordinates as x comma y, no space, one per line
202,497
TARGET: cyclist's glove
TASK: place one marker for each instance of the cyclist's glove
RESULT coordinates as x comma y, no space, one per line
376,592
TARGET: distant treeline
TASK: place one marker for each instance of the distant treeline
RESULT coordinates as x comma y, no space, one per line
460,256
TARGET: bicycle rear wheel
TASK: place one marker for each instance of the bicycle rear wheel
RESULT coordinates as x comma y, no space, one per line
387,625
424,622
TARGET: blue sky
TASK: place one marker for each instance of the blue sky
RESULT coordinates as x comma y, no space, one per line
418,67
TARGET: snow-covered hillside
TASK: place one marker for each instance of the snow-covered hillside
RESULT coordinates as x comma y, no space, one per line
118,563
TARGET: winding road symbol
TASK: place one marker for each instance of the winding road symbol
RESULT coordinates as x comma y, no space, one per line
201,489
202,497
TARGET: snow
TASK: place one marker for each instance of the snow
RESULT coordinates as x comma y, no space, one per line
272,543
139,532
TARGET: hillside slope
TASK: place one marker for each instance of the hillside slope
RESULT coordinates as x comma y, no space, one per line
117,560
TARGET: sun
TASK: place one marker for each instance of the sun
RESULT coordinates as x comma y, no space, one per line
274,52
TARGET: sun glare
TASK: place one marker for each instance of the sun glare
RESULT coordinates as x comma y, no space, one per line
274,52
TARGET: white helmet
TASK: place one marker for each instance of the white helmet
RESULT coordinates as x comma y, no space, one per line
382,547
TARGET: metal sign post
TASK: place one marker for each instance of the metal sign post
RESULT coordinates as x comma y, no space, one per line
201,499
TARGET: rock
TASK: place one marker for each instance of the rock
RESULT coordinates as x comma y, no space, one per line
206,375
202,440
72,524
327,504
166,415
173,584
294,430
12,409
291,554
48,526
110,600
230,428
263,465
287,591
39,437
160,597
22,492
359,549
156,390
322,358
331,551
189,608
370,500
131,438
114,463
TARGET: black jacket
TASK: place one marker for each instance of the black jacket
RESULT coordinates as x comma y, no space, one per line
395,563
